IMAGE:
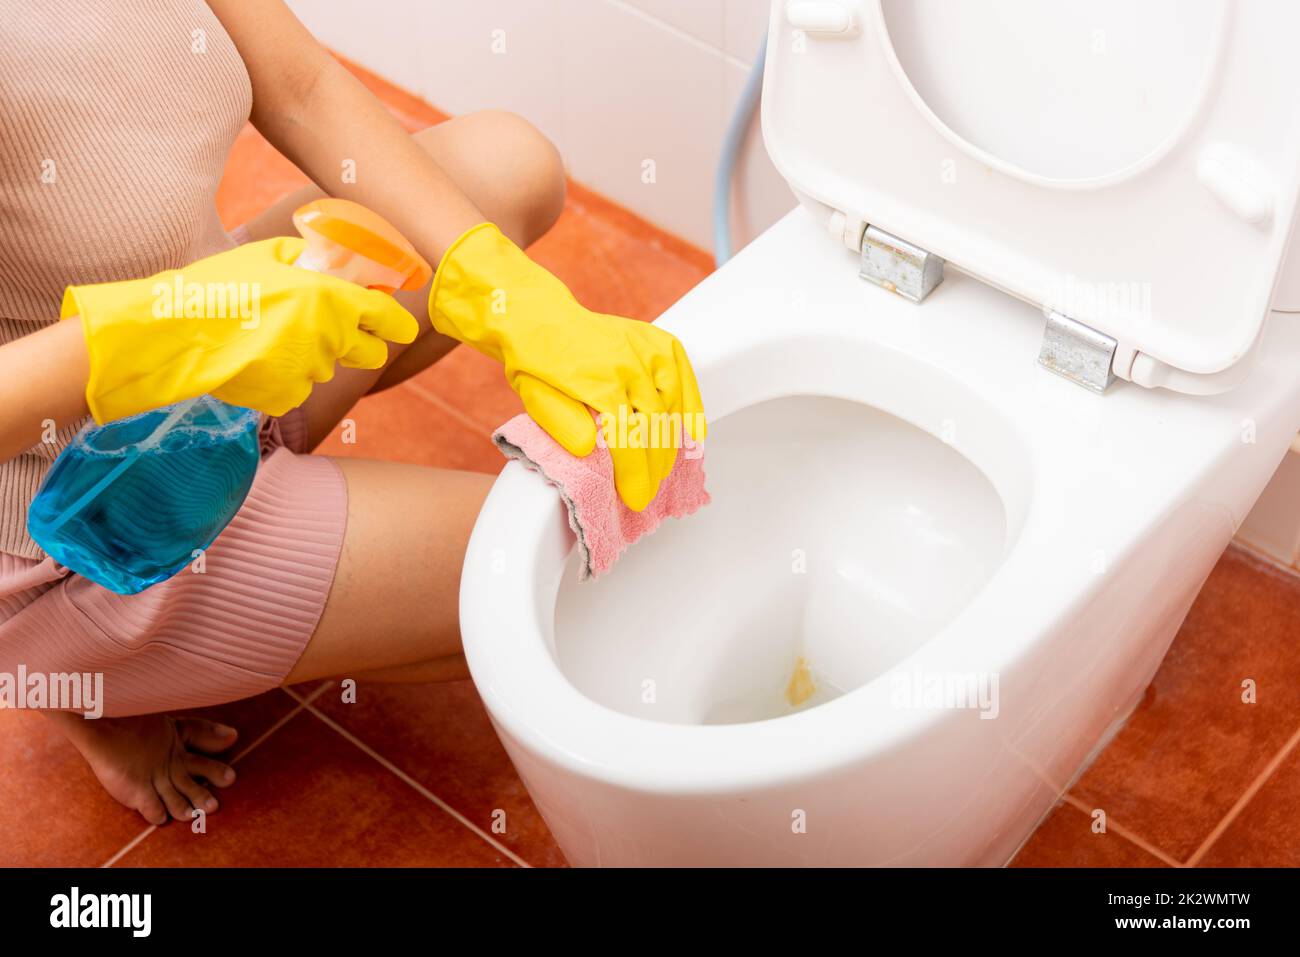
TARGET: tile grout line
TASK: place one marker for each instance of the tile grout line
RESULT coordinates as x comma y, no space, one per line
139,838
130,846
420,788
678,32
1133,838
302,703
325,685
1247,796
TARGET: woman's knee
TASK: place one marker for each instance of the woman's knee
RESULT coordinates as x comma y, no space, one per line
523,167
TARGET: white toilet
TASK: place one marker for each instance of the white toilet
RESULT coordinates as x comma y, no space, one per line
935,577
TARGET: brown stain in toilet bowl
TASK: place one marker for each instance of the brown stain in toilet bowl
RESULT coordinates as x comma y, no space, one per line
801,686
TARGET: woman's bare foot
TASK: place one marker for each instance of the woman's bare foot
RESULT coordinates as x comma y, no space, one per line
154,764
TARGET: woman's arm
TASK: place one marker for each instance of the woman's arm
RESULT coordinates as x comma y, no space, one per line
562,359
323,119
42,379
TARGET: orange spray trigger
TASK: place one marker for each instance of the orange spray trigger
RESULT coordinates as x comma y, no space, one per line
349,241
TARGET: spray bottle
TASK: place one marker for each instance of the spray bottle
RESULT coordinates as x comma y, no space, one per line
130,503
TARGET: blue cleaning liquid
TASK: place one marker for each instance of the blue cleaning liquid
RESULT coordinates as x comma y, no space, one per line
126,504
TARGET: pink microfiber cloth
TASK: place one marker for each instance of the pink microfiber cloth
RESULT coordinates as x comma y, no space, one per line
603,524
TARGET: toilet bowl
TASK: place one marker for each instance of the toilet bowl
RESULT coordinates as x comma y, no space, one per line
934,579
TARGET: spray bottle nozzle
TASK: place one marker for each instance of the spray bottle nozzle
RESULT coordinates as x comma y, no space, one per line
349,241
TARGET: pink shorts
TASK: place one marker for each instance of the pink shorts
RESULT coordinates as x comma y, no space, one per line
233,631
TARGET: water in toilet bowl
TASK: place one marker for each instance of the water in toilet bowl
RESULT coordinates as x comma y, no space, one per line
839,540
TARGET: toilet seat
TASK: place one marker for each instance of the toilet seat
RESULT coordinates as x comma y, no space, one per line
1200,224
1078,479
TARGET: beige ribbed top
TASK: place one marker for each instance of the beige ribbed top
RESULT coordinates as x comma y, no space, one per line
115,122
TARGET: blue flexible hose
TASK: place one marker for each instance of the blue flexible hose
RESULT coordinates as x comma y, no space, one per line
736,130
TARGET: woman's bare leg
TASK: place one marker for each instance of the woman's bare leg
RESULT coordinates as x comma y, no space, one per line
394,601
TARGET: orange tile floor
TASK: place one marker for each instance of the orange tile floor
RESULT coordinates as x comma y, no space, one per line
414,775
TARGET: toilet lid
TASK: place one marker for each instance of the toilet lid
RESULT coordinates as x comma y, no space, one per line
1134,166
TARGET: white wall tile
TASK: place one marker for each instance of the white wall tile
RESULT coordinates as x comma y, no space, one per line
372,34
745,22
634,91
701,19
493,54
1273,525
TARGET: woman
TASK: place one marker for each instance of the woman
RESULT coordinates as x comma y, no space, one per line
117,121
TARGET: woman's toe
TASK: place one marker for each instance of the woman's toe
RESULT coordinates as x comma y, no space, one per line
178,806
194,793
152,809
209,769
200,734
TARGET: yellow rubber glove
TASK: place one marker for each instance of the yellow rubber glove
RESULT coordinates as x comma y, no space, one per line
244,325
562,358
